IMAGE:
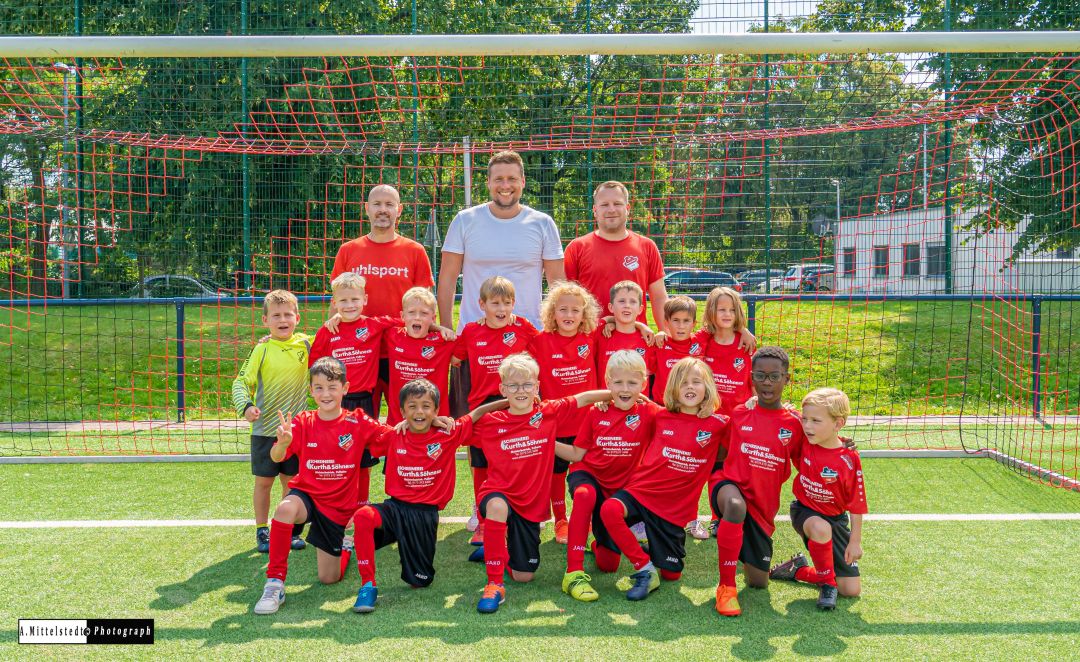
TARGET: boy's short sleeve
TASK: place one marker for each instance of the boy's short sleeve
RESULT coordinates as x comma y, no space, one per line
320,347
463,431
585,438
564,410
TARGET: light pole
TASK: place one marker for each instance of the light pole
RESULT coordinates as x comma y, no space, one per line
65,227
836,183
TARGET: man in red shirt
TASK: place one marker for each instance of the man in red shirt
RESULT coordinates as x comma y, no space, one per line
613,253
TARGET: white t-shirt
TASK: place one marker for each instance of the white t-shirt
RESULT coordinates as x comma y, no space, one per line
515,248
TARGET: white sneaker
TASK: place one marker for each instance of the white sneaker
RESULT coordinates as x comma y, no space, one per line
639,532
696,530
474,522
273,597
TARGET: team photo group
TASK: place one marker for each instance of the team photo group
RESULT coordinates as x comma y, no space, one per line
567,403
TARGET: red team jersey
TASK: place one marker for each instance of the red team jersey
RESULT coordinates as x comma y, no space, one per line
830,480
567,367
599,263
421,468
677,463
390,269
666,358
605,347
416,358
731,370
356,344
764,442
520,450
614,441
485,348
329,454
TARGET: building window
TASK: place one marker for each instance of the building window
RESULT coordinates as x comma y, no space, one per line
848,265
881,261
912,260
935,259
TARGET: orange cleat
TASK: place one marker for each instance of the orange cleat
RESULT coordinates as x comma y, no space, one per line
562,531
727,601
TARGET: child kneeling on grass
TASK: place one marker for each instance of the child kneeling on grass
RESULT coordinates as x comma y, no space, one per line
829,487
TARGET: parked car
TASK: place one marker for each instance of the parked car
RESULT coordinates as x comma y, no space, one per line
699,281
174,285
756,277
819,279
793,277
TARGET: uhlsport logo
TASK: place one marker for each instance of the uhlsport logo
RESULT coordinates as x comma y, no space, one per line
631,262
784,435
633,421
829,475
345,441
509,337
739,363
536,418
361,333
434,450
583,351
427,352
703,437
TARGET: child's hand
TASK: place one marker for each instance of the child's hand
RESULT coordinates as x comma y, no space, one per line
659,338
284,431
792,408
264,339
747,341
252,414
444,422
602,405
751,403
447,334
609,327
402,427
853,552
332,323
848,443
646,333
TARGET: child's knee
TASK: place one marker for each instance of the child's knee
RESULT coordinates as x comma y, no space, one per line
817,529
612,510
496,509
584,493
264,483
522,577
330,576
286,511
849,587
670,575
606,559
367,518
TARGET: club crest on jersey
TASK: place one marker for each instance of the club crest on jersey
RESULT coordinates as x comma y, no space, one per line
509,337
633,421
695,349
583,351
739,363
345,441
640,350
631,262
784,435
536,418
829,475
703,437
427,352
434,450
361,333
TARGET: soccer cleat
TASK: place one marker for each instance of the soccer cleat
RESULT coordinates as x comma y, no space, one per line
262,540
365,599
298,543
713,527
727,601
787,570
273,597
826,598
696,530
478,537
474,522
477,555
576,585
494,595
639,533
644,583
562,531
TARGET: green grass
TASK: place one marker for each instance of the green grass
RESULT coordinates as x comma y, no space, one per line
954,590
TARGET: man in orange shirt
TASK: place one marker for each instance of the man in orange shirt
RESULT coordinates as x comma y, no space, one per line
391,264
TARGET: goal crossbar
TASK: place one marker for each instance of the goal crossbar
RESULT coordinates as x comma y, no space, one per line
525,45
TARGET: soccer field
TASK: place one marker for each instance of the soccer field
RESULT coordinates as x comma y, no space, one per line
987,585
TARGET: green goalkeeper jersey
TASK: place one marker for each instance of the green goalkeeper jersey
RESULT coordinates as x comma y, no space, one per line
274,377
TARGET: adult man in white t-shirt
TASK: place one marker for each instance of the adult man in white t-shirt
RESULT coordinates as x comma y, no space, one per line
499,238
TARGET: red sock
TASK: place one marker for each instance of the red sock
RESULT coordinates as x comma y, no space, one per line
367,519
612,515
280,545
495,554
364,481
729,539
479,475
558,496
606,560
580,518
669,575
823,570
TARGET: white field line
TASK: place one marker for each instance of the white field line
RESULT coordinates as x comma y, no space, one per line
174,523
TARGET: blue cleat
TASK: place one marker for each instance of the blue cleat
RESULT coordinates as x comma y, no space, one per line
644,582
365,599
477,555
298,543
494,595
262,540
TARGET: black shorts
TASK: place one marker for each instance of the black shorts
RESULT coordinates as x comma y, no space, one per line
841,536
384,372
459,390
561,465
414,527
324,534
667,542
600,533
477,459
264,467
522,537
362,400
757,547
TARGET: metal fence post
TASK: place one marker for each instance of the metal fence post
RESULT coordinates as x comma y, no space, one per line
180,405
1036,349
751,314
